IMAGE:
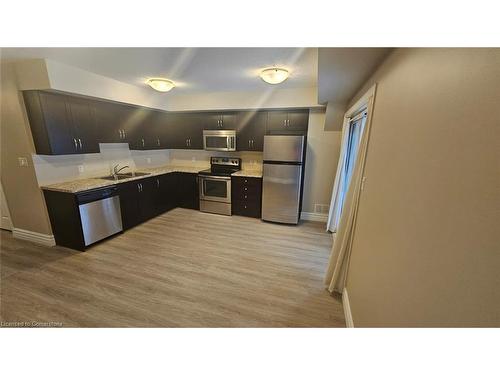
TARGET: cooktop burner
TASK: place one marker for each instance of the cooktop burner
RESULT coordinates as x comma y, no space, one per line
221,166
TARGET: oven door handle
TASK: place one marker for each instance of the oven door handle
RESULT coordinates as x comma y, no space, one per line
214,178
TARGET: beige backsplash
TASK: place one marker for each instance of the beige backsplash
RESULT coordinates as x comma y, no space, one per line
250,159
59,168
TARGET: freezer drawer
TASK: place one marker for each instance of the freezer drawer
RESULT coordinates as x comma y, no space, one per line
100,219
284,148
281,193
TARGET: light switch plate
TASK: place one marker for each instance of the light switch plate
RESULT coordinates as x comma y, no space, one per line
148,160
23,162
81,168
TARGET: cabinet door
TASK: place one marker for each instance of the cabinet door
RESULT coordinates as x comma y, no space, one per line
211,120
84,125
137,127
148,198
108,119
58,124
167,192
297,121
160,123
229,121
185,131
276,122
251,127
129,203
188,191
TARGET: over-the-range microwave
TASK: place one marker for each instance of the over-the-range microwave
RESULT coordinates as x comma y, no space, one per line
219,140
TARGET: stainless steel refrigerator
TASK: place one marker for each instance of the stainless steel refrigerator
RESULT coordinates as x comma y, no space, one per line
283,171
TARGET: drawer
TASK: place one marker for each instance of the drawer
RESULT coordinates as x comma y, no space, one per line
247,182
242,208
247,198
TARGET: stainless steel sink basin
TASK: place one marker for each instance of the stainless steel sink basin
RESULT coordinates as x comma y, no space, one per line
123,176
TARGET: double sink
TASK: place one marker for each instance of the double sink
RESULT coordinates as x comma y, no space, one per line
124,176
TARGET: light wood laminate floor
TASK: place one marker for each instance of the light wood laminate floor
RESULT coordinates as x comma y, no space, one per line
184,268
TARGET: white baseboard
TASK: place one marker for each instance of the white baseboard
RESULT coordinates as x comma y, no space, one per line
40,238
313,216
347,309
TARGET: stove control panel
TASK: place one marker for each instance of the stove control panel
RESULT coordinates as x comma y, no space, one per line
217,160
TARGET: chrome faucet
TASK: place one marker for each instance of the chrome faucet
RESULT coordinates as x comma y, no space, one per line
116,170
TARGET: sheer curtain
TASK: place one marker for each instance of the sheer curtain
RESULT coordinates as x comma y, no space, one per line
349,184
351,134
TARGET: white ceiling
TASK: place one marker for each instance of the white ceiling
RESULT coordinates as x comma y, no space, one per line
208,70
343,70
194,70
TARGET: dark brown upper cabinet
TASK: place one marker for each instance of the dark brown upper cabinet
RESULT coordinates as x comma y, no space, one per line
251,128
288,122
84,124
185,130
110,121
60,124
220,121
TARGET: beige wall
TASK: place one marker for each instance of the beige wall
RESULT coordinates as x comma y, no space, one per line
25,200
323,150
426,250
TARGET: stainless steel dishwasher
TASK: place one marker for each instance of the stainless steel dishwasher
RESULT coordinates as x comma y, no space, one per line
99,213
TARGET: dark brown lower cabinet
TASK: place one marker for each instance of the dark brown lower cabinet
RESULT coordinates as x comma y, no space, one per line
246,196
188,192
143,199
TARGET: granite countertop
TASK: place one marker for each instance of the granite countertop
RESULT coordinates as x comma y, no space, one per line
248,173
76,186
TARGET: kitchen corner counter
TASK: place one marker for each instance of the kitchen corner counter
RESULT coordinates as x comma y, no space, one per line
76,186
248,173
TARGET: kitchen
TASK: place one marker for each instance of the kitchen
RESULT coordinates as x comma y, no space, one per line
105,205
140,177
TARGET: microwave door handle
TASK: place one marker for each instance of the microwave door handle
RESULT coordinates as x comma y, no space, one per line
228,142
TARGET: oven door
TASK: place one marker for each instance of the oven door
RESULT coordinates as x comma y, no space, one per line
215,188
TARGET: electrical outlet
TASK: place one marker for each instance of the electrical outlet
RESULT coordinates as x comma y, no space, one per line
193,159
148,160
23,162
81,168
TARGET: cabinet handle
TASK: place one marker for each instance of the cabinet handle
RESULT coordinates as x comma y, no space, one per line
252,143
249,143
189,140
288,122
120,133
76,144
142,142
158,141
80,142
158,182
246,180
124,134
139,188
246,196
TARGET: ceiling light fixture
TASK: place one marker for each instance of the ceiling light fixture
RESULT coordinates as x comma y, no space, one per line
161,84
274,75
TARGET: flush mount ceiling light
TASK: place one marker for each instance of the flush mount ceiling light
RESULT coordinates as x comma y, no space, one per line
274,75
161,84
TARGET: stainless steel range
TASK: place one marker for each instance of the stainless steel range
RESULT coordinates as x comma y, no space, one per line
215,185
